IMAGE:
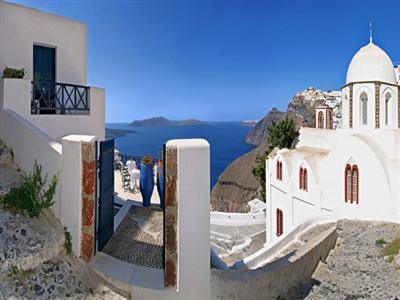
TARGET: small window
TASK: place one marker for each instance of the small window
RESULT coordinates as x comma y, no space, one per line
303,182
279,222
351,184
364,108
321,120
387,105
301,178
354,188
278,170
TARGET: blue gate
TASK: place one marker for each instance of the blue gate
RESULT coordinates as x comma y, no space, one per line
105,220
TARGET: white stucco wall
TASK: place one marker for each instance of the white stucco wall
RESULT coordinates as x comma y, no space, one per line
325,154
16,95
22,27
369,89
193,189
29,143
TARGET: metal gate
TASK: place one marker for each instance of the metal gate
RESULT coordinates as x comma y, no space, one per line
105,207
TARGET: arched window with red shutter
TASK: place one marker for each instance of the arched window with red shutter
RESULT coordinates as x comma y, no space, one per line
305,180
277,169
347,183
279,222
301,178
355,180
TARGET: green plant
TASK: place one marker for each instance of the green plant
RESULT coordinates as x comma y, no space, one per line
19,273
281,135
147,159
380,242
391,248
13,73
68,241
33,195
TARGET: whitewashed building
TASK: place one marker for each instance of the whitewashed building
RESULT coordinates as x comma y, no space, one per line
352,172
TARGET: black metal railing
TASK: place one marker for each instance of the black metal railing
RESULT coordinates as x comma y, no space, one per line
59,98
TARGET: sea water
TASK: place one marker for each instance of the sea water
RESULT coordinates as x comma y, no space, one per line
226,141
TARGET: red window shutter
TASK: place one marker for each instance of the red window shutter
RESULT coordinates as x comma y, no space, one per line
301,178
347,184
305,181
279,222
355,182
277,169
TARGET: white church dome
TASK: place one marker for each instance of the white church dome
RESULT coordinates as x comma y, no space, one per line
371,63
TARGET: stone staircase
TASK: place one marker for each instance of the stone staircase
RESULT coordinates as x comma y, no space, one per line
33,260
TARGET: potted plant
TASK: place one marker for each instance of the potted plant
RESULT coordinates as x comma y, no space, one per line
146,179
13,73
160,182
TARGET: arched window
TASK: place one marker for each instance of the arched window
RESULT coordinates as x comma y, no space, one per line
328,119
301,178
305,180
364,108
351,184
279,222
354,188
278,170
387,105
347,184
321,120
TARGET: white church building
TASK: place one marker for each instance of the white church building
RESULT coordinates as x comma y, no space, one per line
352,172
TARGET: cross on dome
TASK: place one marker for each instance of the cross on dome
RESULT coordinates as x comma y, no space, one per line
370,32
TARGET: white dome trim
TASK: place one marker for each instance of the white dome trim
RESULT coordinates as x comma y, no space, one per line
371,63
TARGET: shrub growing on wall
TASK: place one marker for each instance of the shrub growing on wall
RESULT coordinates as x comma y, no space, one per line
281,135
13,73
33,195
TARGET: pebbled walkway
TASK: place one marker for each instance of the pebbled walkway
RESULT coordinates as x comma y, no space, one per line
355,269
139,238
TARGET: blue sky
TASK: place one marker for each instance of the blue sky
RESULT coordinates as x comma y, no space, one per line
221,60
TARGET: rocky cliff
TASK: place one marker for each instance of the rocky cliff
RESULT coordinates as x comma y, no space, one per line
260,131
237,185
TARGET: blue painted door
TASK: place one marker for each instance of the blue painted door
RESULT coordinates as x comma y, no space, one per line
105,220
44,76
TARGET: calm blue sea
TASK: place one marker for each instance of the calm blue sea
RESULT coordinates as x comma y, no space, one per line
226,140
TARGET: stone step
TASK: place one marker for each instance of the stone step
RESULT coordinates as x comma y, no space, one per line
64,277
27,243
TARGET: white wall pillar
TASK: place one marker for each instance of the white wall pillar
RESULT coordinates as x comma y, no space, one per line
76,178
187,272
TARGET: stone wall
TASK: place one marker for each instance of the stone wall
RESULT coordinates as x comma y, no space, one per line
274,279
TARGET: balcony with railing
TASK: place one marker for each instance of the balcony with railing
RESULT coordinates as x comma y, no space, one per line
59,98
58,109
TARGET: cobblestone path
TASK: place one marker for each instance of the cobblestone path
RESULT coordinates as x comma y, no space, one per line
355,269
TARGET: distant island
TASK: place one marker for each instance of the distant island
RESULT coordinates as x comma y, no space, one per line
114,133
163,122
